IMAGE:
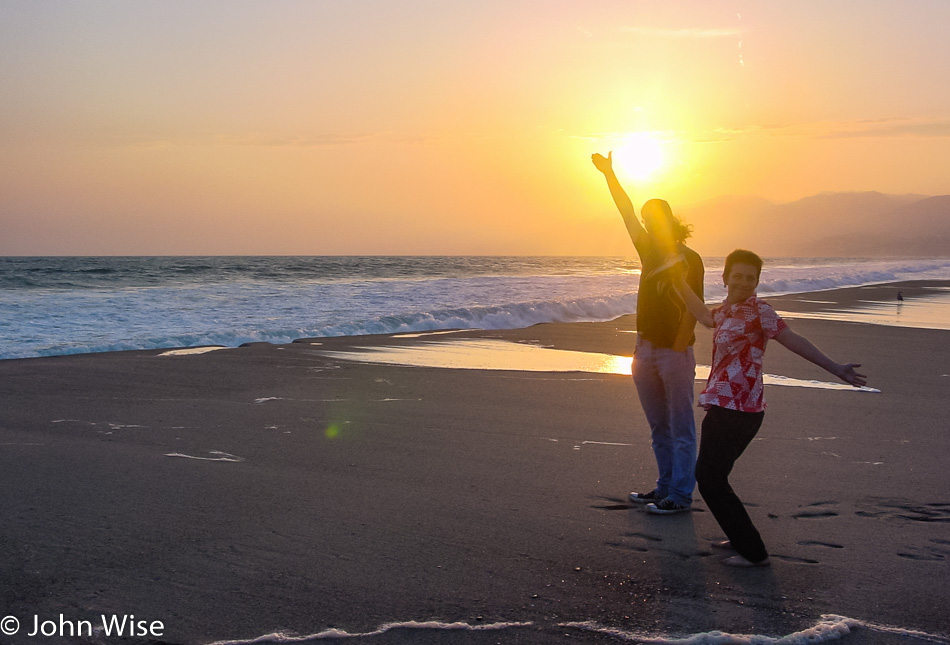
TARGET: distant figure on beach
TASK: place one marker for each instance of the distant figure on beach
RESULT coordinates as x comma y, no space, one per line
664,367
733,397
900,297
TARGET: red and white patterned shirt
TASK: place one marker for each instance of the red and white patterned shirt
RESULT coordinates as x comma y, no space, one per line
742,330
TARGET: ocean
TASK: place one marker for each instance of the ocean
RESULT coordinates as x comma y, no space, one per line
67,305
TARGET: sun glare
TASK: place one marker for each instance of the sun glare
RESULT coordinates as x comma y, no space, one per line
639,156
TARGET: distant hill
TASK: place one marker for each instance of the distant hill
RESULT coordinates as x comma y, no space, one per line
828,224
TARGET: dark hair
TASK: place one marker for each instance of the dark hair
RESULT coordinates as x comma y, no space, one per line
741,256
679,230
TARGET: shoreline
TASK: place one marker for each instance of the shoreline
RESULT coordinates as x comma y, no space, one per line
844,298
272,489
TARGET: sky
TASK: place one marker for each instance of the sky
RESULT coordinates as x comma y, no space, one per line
432,127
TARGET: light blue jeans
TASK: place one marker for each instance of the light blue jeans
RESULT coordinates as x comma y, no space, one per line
664,380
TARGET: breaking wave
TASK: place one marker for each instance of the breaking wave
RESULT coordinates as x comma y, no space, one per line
53,306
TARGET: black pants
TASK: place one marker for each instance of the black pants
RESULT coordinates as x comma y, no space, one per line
725,435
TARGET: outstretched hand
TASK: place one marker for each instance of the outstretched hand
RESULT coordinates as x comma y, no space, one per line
847,374
679,271
676,271
602,163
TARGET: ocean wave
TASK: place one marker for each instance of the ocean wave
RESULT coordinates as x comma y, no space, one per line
230,303
830,275
512,316
72,273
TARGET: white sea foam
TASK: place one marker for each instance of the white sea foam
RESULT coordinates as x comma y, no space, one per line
190,351
775,379
604,443
281,637
829,627
217,455
424,334
279,300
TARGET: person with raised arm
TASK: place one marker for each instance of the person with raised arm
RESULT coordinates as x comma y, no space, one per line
733,396
664,367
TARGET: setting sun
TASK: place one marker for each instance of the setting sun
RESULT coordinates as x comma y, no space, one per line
639,156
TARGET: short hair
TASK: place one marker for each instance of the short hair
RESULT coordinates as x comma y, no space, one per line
679,229
741,256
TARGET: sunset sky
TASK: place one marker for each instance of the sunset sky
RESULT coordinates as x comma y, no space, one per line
440,127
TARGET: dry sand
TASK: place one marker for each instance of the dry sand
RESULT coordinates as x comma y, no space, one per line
268,489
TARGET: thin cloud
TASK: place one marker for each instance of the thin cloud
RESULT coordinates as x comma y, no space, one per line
895,127
663,135
281,140
889,127
719,135
688,32
291,141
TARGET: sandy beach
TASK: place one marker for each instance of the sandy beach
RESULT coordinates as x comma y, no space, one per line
283,490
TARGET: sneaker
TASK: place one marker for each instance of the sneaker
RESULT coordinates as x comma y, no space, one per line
643,498
666,507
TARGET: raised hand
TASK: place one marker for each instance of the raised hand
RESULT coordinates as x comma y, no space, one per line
602,163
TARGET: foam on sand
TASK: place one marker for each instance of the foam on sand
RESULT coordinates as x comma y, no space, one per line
428,333
829,627
216,455
280,637
190,351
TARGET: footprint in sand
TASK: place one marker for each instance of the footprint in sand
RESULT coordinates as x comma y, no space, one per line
814,514
654,540
612,504
816,510
937,551
639,548
903,509
686,556
830,545
793,559
628,547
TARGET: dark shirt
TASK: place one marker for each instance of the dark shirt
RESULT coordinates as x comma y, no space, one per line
659,310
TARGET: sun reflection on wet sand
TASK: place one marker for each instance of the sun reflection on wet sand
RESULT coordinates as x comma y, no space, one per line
491,354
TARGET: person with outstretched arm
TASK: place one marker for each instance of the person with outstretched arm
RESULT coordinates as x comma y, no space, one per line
664,367
733,396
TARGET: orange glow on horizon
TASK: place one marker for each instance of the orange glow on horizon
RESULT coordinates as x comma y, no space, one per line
453,128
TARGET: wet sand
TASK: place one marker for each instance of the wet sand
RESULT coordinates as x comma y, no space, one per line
265,489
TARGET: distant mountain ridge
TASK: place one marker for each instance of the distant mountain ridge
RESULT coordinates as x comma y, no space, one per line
859,224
